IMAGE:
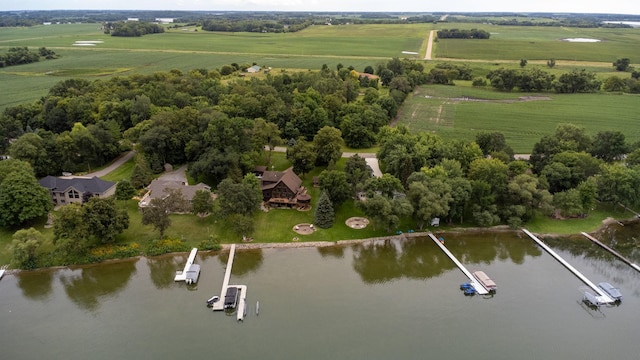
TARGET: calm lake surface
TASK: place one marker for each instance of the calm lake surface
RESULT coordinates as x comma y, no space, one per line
388,299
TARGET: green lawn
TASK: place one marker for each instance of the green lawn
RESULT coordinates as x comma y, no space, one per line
439,109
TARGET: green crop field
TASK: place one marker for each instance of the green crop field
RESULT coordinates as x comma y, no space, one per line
542,43
351,45
356,45
460,112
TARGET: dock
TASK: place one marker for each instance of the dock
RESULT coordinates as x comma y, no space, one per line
242,302
241,307
219,306
182,275
615,253
602,297
480,289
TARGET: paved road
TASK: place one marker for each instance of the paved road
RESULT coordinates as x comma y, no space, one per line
114,165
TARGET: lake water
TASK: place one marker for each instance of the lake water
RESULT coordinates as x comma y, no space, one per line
389,299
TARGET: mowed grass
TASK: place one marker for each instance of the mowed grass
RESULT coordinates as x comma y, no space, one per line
443,110
542,43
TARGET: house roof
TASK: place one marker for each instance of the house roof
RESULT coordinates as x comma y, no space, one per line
157,188
82,184
271,178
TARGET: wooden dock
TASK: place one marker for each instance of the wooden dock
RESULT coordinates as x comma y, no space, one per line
480,289
615,253
602,297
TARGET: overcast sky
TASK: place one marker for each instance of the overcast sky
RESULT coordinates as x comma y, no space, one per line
575,6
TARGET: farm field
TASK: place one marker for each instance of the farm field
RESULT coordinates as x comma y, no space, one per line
460,112
542,43
186,50
356,45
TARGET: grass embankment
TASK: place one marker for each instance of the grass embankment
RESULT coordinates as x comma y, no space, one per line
461,111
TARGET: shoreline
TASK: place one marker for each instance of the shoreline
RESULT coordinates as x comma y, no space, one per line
318,244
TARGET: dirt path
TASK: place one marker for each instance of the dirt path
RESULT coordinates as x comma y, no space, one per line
428,55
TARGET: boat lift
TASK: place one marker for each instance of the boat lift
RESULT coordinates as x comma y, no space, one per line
601,297
182,275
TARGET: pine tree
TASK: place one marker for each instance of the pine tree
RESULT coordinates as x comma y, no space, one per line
324,214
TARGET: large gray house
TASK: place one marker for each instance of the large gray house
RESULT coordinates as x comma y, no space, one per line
74,189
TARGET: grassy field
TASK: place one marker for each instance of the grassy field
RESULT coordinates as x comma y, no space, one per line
353,45
542,43
460,112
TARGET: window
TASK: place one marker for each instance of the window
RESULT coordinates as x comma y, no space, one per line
74,194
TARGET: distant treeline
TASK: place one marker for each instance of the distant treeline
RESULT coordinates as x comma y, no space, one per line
247,25
22,55
132,28
278,21
543,19
463,34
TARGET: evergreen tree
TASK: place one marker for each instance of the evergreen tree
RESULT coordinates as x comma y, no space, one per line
324,214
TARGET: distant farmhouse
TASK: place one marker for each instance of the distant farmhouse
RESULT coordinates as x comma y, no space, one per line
282,188
165,20
254,69
76,189
161,189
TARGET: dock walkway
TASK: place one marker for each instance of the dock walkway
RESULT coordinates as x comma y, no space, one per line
615,253
480,289
182,275
219,306
602,296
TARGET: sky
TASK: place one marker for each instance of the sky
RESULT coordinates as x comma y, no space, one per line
574,6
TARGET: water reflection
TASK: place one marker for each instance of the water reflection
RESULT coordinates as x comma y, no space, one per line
622,238
244,262
386,260
419,258
36,285
333,251
87,285
486,247
162,269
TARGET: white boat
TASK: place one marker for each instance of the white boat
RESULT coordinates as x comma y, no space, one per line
611,291
1,273
212,300
591,299
485,280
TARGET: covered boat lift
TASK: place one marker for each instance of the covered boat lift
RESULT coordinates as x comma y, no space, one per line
601,297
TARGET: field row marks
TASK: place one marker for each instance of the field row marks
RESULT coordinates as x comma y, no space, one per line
234,53
537,62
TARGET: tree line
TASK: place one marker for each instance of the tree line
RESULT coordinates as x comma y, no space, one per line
463,34
22,55
131,28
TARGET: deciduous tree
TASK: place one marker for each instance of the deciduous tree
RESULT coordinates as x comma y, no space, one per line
157,214
202,203
25,245
22,199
